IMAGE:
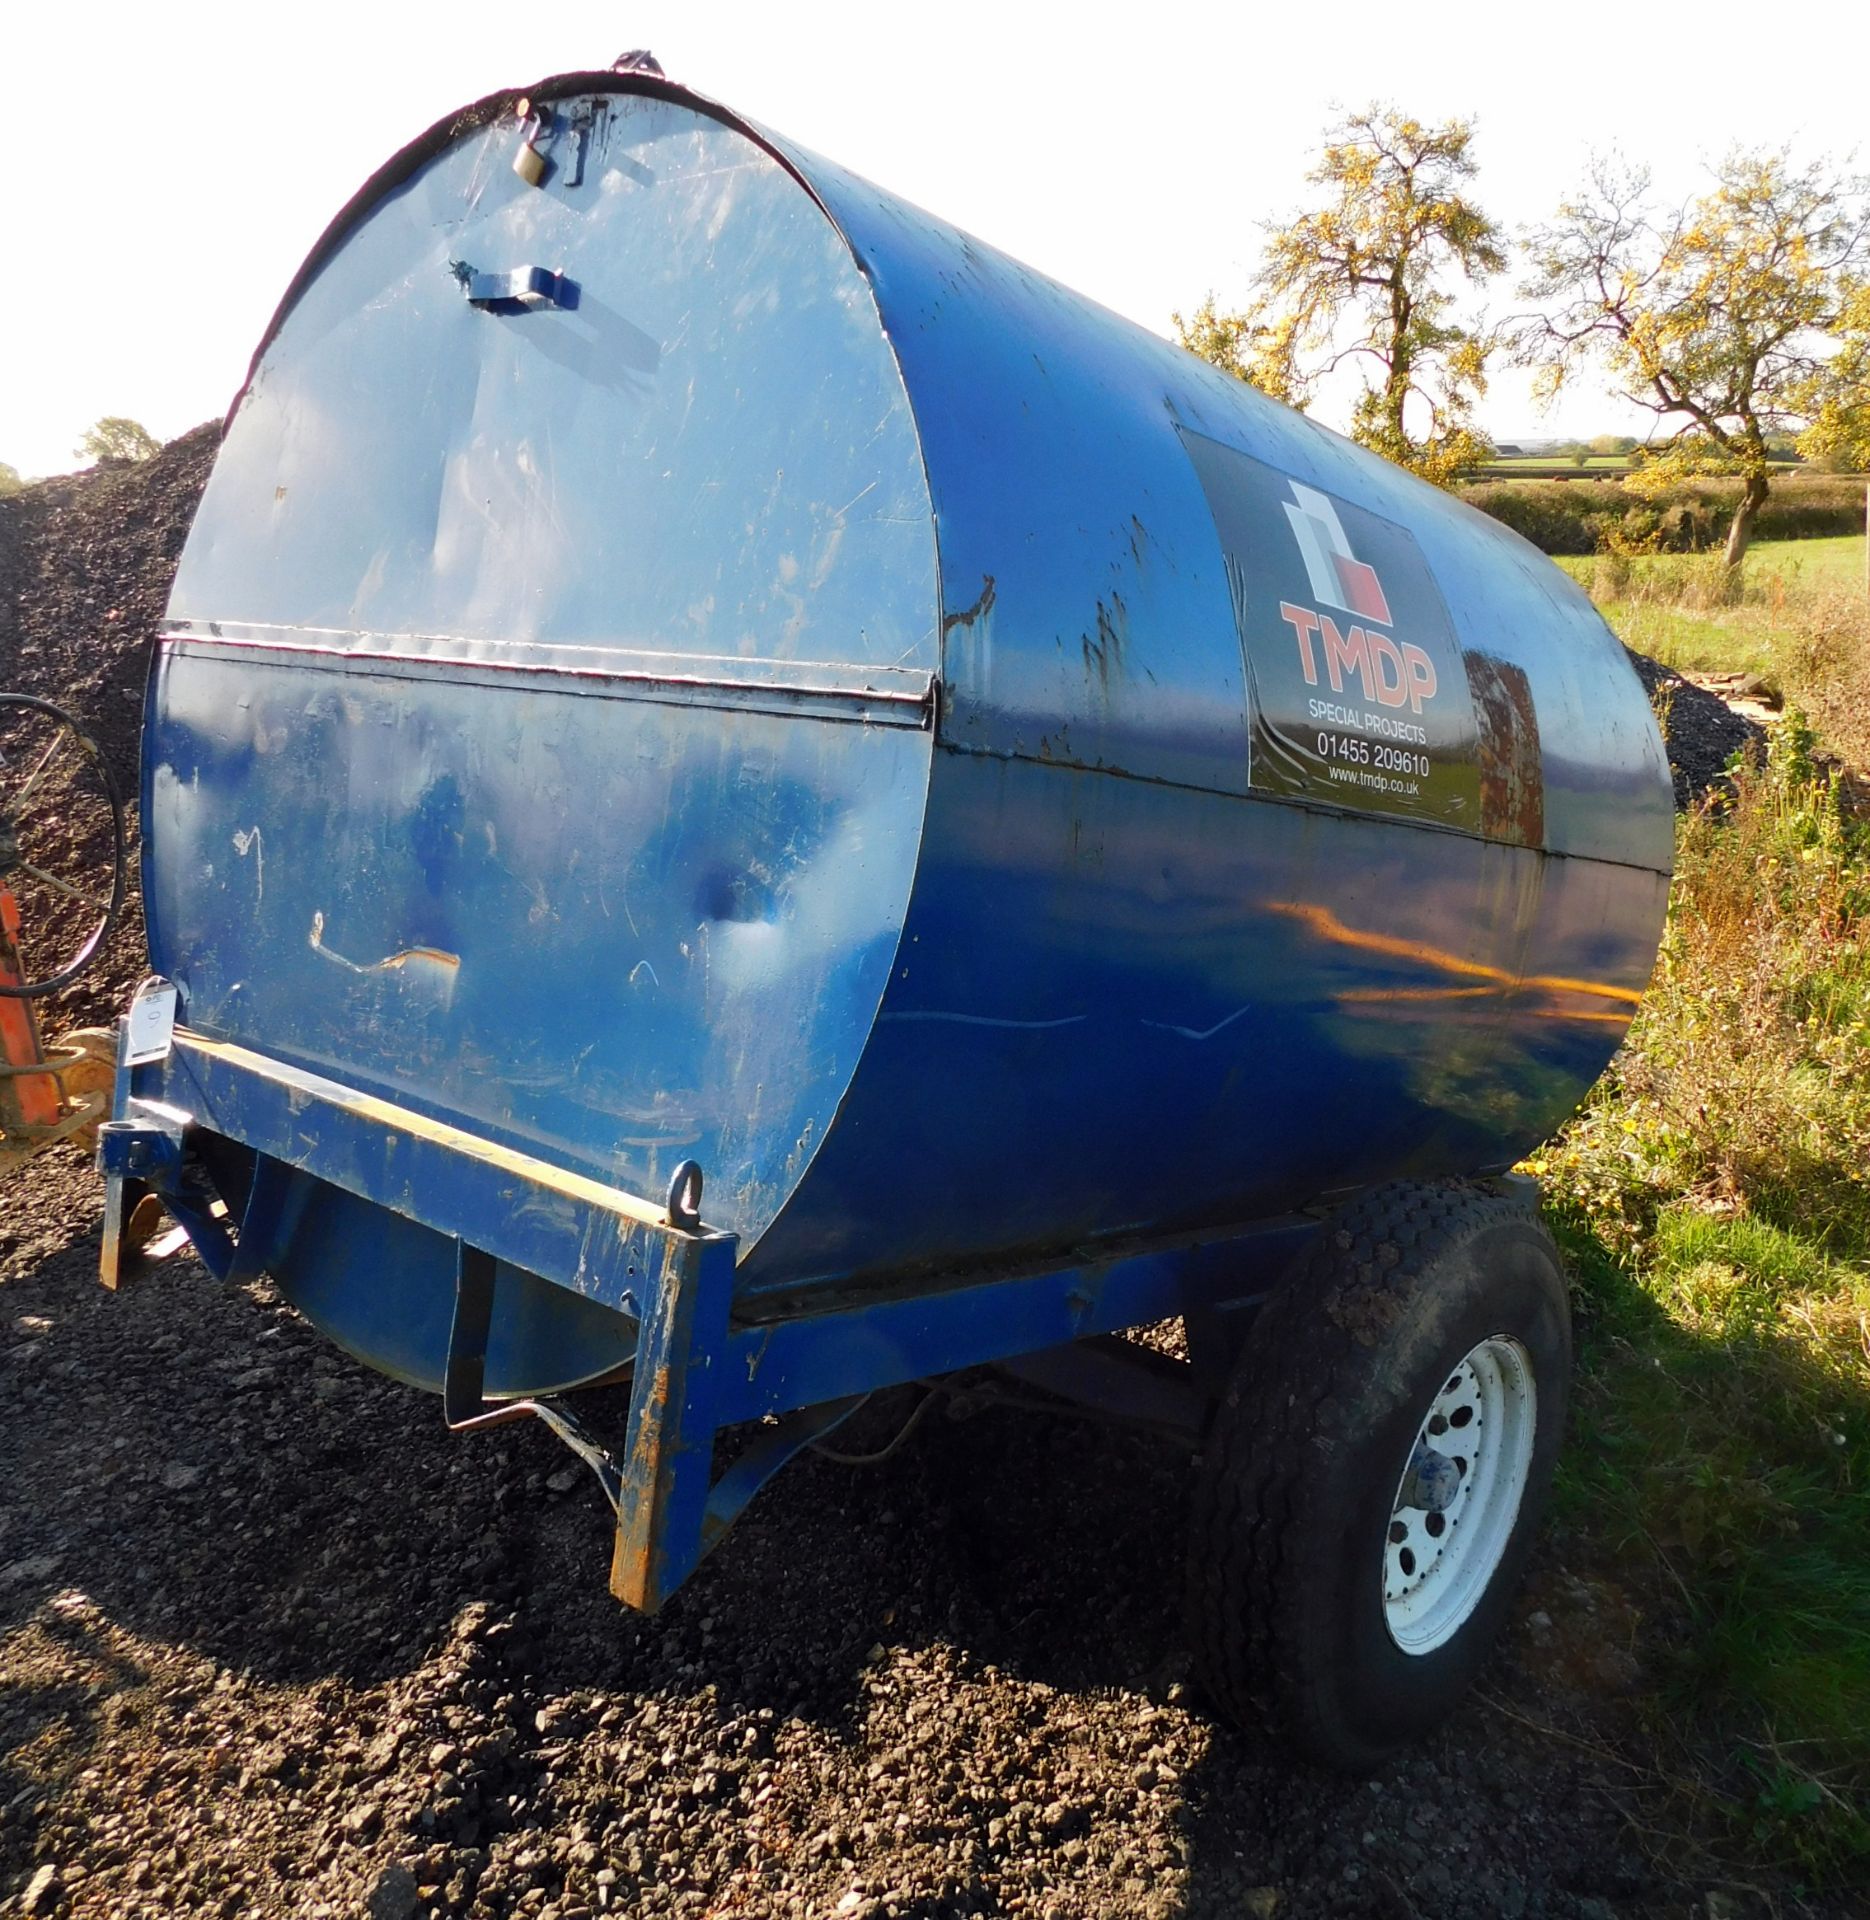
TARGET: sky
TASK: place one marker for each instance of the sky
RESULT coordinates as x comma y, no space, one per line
172,165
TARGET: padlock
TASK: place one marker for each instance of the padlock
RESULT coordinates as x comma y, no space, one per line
529,163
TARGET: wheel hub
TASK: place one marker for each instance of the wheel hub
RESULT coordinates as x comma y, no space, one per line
1459,1494
1433,1482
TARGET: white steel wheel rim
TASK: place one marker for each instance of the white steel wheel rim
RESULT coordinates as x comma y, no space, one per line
1437,1565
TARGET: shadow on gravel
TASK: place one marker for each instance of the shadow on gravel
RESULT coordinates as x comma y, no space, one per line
221,1486
1048,1550
212,1474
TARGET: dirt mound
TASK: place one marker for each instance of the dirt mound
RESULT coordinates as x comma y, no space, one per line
1702,732
85,566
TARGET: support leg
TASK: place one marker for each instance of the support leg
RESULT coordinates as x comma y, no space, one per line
670,1453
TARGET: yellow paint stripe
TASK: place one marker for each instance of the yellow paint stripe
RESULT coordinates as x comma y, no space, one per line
383,1113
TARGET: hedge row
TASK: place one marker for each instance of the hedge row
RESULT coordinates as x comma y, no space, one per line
1579,516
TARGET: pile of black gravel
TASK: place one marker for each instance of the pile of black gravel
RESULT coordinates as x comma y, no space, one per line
85,566
1702,732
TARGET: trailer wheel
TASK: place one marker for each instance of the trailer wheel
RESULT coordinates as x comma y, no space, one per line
1374,1475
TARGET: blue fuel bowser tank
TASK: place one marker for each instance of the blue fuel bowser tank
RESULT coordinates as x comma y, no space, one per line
743,794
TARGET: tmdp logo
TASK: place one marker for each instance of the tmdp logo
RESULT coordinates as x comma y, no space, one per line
1388,672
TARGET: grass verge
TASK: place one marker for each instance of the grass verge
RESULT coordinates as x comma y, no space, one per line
1713,1200
1796,620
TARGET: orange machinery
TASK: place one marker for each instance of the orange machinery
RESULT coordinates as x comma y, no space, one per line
58,1092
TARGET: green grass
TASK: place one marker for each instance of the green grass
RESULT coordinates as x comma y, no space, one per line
1670,606
1714,1203
1831,561
1596,463
1700,642
1837,561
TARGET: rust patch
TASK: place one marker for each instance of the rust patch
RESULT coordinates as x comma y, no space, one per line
1512,769
634,1549
1105,655
969,615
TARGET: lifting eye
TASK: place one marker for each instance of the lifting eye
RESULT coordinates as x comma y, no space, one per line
684,1205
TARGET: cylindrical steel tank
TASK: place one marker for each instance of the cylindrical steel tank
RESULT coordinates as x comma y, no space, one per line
697,659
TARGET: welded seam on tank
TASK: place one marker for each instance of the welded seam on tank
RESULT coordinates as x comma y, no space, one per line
809,689
948,744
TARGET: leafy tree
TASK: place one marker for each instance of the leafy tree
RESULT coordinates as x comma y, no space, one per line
10,481
115,438
1239,344
1713,314
1364,276
1836,404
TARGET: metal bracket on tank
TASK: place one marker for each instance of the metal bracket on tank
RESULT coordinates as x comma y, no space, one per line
465,1406
146,1142
516,290
144,1152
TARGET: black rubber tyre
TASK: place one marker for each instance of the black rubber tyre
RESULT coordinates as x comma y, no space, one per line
1299,1475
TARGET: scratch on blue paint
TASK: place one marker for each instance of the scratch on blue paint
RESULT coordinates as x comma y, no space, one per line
1193,1033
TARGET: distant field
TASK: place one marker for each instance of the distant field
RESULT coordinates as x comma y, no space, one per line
1543,466
1813,563
1834,562
1515,462
1662,607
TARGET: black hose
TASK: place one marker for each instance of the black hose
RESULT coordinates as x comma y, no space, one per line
119,873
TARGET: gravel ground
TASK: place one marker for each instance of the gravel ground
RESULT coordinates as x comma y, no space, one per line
272,1642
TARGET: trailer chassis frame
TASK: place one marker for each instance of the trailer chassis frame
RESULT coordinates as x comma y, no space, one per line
703,1361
